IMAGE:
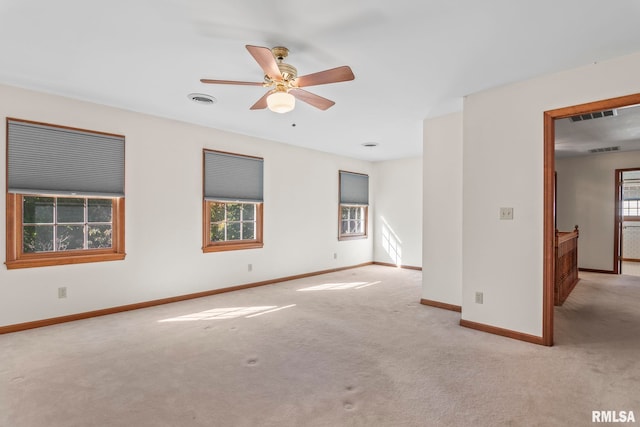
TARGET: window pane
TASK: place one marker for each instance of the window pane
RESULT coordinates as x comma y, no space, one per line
248,212
217,212
70,237
38,210
355,213
344,229
248,231
345,213
99,236
233,231
99,210
217,232
232,222
37,238
70,210
233,211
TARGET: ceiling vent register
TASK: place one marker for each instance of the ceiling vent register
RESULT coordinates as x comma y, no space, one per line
596,115
604,150
202,98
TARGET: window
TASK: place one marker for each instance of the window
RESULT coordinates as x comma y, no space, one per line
55,224
353,220
233,222
354,204
232,202
631,208
65,191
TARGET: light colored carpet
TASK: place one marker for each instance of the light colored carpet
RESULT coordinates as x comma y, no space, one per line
631,268
352,348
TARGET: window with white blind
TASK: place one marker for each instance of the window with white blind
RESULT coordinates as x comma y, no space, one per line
65,195
354,205
232,201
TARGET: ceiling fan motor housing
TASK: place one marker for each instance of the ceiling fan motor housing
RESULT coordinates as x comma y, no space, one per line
289,72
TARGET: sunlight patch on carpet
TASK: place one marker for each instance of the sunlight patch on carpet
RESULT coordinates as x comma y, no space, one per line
228,313
338,286
270,311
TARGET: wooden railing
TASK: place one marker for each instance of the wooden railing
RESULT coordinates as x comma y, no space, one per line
566,249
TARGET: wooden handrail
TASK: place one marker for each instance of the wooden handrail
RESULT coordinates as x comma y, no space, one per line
566,264
563,236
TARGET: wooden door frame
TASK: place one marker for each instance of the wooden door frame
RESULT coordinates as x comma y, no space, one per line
617,225
618,255
549,195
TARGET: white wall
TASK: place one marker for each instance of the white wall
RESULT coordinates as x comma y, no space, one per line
586,197
442,236
398,212
503,167
164,215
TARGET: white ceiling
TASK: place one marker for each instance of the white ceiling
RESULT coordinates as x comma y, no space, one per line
412,58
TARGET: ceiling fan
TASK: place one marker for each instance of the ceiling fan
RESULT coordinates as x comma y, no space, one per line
284,82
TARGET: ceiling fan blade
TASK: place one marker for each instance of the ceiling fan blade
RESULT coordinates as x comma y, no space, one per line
229,82
334,75
312,99
264,57
262,102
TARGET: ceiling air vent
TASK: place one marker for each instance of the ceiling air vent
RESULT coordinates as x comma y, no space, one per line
596,115
604,150
202,98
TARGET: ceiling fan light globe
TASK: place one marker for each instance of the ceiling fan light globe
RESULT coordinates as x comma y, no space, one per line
281,102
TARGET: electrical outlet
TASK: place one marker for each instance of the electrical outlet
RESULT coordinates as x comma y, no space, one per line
62,292
506,213
479,297
250,267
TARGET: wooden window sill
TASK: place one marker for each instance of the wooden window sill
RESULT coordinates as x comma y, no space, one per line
232,246
59,259
356,237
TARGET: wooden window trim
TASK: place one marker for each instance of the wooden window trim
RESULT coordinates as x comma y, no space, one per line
364,235
16,258
234,245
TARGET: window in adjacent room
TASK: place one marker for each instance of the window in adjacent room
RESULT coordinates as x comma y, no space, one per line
232,202
354,204
630,195
65,195
631,209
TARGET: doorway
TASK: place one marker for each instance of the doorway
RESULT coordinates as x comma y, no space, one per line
549,197
627,229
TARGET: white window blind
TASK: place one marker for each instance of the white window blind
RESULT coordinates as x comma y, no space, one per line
354,188
46,159
232,177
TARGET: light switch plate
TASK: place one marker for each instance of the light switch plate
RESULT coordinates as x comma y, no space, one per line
506,213
479,297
